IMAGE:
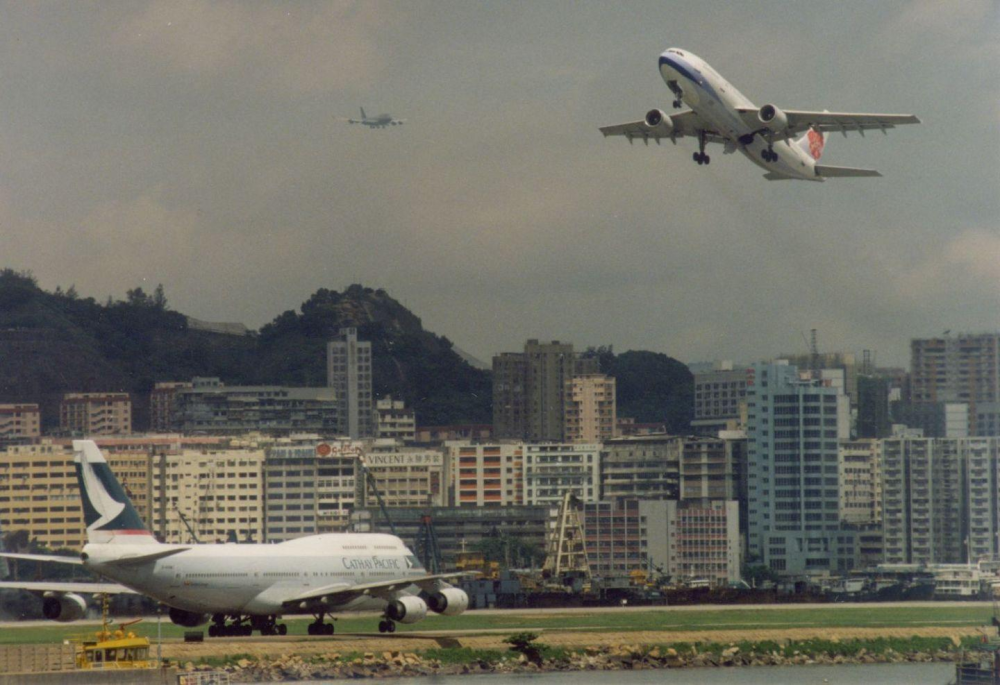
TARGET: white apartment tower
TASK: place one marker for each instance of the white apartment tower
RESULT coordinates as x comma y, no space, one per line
349,373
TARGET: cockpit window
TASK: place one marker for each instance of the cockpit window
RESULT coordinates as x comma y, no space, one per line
678,52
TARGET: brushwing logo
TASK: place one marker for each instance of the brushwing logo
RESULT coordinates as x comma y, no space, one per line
816,143
106,506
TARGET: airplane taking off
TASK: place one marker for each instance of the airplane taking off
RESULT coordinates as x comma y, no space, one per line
787,144
379,121
241,587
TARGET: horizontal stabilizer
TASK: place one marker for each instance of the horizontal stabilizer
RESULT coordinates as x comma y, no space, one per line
835,171
771,176
139,559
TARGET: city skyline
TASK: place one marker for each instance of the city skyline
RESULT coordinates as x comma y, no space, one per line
197,146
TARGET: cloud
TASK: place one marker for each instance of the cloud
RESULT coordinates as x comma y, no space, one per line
298,48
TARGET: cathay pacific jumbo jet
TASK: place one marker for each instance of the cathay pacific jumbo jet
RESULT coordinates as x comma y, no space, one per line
239,588
787,144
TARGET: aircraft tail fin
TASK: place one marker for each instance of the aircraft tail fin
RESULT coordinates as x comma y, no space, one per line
812,142
843,171
363,115
107,509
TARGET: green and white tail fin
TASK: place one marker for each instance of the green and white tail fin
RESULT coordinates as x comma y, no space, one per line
107,509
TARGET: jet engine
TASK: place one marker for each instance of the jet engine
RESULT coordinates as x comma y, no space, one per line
64,608
407,609
658,123
450,601
188,619
773,118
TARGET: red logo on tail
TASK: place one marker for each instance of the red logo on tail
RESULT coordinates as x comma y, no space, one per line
816,143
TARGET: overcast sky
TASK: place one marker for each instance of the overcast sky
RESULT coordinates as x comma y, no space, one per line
197,144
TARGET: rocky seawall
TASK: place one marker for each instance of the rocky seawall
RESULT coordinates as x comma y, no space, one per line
395,664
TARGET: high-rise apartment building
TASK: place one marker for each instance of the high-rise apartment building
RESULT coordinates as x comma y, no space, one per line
394,421
590,414
940,499
161,404
19,423
642,467
530,390
793,426
964,369
490,475
210,407
860,481
349,373
553,469
96,413
719,399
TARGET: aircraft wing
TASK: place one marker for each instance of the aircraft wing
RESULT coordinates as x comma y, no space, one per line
43,557
687,123
799,121
342,592
64,588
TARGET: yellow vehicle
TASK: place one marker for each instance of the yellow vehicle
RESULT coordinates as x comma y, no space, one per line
114,649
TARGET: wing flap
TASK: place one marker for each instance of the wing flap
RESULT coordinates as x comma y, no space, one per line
64,588
800,121
339,593
843,171
55,559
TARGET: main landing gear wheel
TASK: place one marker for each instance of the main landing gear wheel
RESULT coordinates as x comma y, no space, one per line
769,155
386,626
319,628
701,158
677,104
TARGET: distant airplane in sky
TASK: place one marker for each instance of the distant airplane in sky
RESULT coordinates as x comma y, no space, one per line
379,121
787,144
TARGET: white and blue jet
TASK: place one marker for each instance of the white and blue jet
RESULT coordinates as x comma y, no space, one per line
787,144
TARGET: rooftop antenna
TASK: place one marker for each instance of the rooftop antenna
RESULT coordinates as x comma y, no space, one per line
813,354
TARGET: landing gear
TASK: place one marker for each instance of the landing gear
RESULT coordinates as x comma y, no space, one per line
769,155
700,157
268,625
318,627
240,626
386,626
678,93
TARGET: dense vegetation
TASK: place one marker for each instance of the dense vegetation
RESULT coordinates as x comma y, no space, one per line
52,343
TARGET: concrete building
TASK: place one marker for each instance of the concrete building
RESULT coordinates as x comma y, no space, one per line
707,470
310,488
553,469
844,362
488,475
793,426
719,399
218,492
39,492
963,369
393,421
19,424
475,432
349,374
591,414
406,476
458,529
96,413
703,540
161,404
641,467
860,481
624,535
530,390
940,500
210,407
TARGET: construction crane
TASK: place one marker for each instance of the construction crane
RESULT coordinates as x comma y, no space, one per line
370,482
567,550
427,545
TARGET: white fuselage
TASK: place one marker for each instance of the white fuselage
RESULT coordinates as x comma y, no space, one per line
715,100
257,579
